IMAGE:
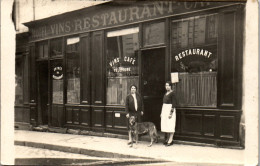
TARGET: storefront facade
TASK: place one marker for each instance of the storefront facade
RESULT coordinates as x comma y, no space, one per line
82,63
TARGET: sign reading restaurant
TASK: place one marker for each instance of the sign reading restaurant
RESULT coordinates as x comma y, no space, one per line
113,15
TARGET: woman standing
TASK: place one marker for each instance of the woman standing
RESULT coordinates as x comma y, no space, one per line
134,107
168,114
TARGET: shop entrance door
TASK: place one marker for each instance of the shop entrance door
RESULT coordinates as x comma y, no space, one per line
153,80
57,98
43,92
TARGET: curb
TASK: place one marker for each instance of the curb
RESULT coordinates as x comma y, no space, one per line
88,152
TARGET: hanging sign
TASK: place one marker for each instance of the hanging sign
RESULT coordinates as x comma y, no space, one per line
57,73
174,77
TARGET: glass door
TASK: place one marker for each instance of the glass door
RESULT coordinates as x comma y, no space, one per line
57,93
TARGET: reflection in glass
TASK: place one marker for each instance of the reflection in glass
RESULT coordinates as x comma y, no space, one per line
194,57
122,64
18,81
56,47
42,50
73,70
154,33
57,82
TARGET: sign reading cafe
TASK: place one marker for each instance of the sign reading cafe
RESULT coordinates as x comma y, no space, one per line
117,15
118,69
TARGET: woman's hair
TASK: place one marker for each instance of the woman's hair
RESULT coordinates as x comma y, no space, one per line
133,86
169,82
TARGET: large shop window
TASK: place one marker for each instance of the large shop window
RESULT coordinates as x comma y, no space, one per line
122,64
18,81
194,57
73,70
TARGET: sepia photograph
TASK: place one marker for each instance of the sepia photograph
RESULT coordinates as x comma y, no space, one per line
137,82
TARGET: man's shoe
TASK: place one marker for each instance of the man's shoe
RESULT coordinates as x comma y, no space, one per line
129,143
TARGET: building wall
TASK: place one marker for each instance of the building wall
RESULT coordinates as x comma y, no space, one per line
30,10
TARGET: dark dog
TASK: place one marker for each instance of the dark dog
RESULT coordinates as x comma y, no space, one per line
142,128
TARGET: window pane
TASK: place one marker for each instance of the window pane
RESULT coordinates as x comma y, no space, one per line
73,71
57,82
122,64
154,33
42,50
56,47
18,81
195,58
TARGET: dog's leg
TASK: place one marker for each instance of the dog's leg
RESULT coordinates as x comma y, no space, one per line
151,136
136,137
156,135
130,138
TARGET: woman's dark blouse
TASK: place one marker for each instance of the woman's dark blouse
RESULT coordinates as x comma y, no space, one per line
170,99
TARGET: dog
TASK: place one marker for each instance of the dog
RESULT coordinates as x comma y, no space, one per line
136,128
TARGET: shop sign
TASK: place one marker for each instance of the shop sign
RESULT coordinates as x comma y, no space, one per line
57,73
114,15
191,52
126,60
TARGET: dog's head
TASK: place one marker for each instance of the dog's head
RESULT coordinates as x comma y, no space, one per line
132,120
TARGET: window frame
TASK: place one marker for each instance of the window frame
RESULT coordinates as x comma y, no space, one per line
144,25
139,26
66,70
187,17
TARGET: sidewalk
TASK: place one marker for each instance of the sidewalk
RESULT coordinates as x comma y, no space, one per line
115,147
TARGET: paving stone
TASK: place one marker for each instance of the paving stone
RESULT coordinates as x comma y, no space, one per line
72,131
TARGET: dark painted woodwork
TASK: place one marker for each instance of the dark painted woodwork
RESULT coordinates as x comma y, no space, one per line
109,119
227,65
227,126
85,70
92,18
120,122
98,117
42,89
114,123
33,114
18,114
68,115
57,115
33,91
178,122
97,68
209,122
208,125
85,117
75,116
153,75
26,80
192,123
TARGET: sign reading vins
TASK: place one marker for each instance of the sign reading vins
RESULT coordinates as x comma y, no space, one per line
114,15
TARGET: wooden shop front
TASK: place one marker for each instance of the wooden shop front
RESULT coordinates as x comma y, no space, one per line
83,62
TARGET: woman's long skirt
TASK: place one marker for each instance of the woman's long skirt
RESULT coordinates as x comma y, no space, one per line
168,125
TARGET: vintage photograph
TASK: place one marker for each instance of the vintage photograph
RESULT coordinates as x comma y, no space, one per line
113,82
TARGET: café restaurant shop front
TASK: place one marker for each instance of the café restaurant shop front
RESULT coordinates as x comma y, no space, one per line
81,65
